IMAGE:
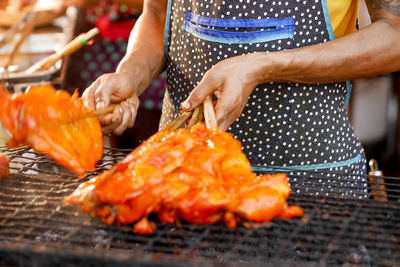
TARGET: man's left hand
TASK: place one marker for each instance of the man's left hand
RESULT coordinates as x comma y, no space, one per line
231,80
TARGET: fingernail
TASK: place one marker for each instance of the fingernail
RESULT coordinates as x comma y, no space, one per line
100,105
186,105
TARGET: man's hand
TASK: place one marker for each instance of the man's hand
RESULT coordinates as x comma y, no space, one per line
232,81
142,63
122,118
113,87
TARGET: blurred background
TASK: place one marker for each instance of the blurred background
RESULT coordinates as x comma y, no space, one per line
46,26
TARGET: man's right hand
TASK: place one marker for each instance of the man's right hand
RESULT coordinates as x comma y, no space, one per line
142,63
113,88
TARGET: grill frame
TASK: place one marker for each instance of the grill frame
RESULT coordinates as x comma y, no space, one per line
37,229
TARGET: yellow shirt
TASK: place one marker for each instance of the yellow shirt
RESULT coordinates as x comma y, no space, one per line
343,15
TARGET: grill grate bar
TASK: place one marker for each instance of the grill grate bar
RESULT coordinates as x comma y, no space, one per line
335,208
336,212
88,223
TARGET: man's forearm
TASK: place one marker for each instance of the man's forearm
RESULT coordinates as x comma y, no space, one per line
145,58
371,51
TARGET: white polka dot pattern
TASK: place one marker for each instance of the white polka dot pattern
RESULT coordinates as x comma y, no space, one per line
283,124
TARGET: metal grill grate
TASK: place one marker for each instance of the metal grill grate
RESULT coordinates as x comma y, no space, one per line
36,229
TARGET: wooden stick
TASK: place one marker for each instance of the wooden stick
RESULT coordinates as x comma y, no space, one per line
196,117
15,28
105,111
178,121
201,115
209,114
28,28
70,48
83,116
98,113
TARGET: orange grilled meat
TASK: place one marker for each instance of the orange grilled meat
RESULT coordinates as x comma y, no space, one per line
198,175
4,162
55,123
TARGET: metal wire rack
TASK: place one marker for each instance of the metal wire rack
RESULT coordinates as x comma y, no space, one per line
37,229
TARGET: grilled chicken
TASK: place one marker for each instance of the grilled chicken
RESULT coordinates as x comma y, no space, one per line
198,175
55,123
4,161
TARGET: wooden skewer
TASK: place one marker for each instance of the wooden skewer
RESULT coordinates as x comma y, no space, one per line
15,28
105,111
201,114
99,113
209,114
178,121
83,116
196,117
30,21
70,48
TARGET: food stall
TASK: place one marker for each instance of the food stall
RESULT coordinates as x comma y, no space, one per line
37,228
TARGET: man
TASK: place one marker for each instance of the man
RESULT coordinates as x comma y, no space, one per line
274,67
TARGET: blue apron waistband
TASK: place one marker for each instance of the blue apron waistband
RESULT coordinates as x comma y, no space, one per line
308,167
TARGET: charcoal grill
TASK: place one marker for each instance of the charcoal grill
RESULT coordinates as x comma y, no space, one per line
37,229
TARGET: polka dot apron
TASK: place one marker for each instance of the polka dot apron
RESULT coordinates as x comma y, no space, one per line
284,125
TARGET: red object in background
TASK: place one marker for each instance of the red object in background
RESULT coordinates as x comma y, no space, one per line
113,30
